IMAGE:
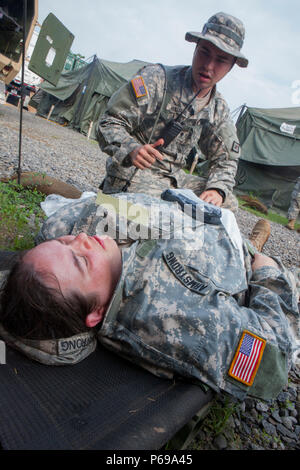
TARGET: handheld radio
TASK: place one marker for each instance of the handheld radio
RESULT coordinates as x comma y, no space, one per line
169,133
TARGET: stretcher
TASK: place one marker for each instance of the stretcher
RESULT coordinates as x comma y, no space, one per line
101,403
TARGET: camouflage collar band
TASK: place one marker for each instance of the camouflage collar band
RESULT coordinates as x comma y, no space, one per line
61,351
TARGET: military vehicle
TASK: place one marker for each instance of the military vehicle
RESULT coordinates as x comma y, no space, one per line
11,34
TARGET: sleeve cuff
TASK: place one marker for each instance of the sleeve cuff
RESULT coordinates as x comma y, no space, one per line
266,272
122,154
127,162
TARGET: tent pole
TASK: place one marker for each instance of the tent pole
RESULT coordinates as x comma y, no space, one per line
50,112
241,112
90,129
22,89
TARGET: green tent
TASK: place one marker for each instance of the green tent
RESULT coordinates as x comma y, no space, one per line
270,154
80,97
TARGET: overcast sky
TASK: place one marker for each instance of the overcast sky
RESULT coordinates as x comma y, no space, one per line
154,31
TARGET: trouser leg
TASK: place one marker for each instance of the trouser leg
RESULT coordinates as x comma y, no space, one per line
154,186
294,208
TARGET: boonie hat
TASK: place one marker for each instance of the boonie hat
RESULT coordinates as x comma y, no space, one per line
224,31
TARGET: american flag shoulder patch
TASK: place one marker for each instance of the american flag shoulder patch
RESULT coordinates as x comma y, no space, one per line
247,358
139,87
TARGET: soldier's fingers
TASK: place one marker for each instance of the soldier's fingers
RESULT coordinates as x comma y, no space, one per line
139,165
212,197
145,164
146,157
158,143
154,153
142,159
210,200
145,161
205,197
137,161
217,201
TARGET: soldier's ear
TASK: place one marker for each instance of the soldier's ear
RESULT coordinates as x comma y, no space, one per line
95,317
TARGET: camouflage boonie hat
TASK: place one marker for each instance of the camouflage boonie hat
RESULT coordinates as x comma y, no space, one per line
224,31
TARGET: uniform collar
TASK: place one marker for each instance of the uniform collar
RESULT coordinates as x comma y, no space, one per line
128,254
187,93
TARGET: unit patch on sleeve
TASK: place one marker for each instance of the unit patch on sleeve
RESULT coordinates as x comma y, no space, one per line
139,87
247,358
235,147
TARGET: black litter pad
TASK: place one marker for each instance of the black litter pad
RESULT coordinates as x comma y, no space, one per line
104,402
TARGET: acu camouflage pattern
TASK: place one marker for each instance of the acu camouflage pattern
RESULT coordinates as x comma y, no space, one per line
54,352
180,311
224,31
294,208
89,217
129,122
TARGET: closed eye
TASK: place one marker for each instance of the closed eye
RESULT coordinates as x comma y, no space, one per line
76,258
85,260
77,263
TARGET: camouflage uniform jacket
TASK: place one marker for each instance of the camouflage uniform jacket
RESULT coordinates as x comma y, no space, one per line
179,310
129,122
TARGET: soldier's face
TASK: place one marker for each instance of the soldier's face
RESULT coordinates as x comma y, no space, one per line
210,65
81,263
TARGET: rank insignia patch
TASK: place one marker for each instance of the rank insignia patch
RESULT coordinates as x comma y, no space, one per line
139,87
235,147
247,358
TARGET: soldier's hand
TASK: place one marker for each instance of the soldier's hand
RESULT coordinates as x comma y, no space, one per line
212,196
144,156
263,260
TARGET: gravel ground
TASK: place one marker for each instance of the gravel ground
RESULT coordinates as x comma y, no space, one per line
68,155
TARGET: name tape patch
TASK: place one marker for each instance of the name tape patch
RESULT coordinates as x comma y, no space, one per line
74,344
247,358
139,87
184,277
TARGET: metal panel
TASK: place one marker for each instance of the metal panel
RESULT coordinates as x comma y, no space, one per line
11,35
51,50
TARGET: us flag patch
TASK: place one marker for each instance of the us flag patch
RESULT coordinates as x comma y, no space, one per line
139,87
247,358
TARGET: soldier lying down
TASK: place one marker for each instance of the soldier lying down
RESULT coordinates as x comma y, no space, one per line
204,311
